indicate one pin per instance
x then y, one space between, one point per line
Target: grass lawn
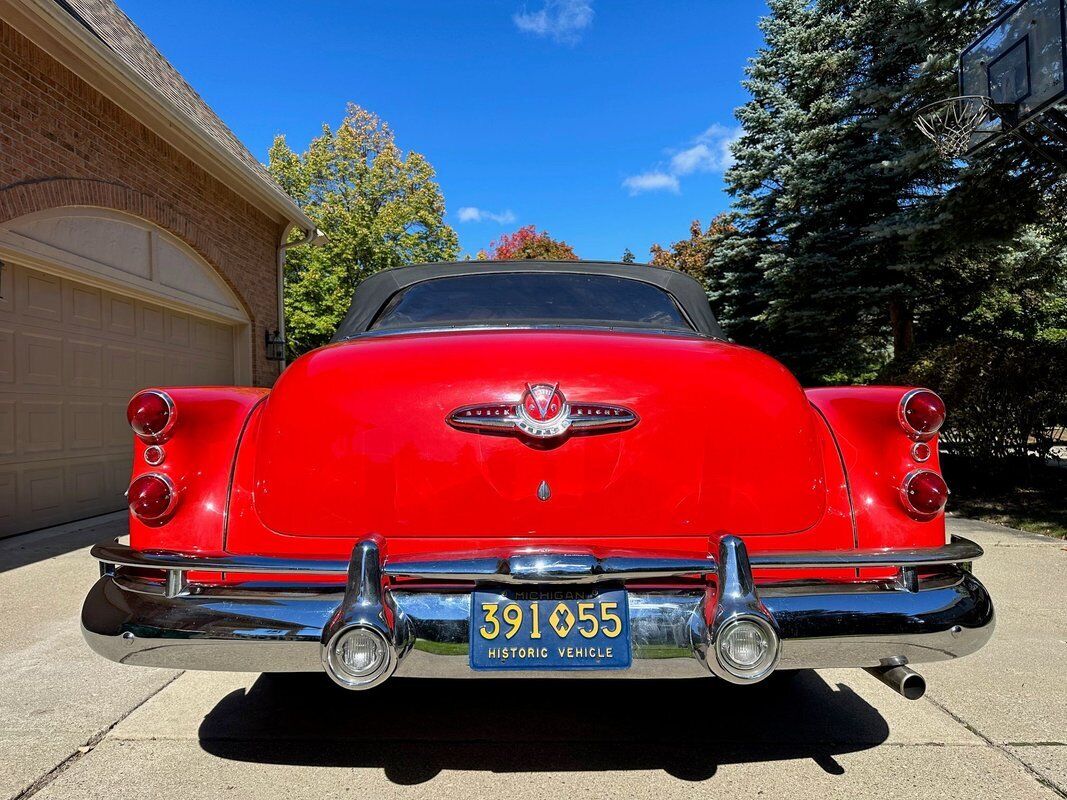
1029 497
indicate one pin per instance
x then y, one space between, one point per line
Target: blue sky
604 122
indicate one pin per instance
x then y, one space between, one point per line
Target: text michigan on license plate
550 629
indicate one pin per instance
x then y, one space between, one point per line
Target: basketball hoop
952 123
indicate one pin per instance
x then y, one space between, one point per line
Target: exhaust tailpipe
904 681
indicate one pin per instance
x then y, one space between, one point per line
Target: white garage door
71 356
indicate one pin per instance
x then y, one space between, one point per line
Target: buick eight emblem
543 412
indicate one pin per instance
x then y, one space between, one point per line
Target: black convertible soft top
375 292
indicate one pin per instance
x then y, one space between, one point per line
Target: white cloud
561 20
472 214
651 182
708 152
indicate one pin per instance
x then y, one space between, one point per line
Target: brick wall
63 143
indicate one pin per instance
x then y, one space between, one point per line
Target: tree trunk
902 319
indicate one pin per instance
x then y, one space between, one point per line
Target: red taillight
921 413
151 497
151 415
924 493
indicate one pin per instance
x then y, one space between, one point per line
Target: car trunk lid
355 440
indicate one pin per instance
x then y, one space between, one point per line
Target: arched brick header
27 197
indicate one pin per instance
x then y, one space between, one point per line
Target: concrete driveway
75 726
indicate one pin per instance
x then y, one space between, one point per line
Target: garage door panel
150 322
88 484
7 355
117 471
9 507
7 288
203 336
40 359
42 489
71 356
120 315
7 428
116 428
83 305
177 326
120 367
216 374
180 371
84 366
39 296
40 427
224 341
85 426
153 368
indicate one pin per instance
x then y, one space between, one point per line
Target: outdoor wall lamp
275 345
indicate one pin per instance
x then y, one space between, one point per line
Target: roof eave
62 37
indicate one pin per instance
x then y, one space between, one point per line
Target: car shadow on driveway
414 729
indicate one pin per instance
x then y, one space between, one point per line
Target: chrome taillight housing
152 497
924 494
152 415
921 414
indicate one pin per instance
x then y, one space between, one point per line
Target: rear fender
877 455
198 459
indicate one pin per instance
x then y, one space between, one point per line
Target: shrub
1005 399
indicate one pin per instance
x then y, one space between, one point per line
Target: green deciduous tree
378 206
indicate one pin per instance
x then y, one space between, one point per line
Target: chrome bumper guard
934 610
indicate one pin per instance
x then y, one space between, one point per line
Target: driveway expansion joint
1002 749
43 780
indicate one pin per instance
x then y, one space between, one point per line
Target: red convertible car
532 469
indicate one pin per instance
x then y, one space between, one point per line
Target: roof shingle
111 26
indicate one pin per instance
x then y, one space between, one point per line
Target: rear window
532 298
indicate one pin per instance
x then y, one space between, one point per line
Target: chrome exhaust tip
904 681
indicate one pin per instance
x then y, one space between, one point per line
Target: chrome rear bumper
934 611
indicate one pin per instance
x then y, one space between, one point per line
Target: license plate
550 629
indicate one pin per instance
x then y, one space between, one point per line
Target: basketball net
951 124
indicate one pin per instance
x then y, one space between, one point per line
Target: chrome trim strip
125 556
584 568
956 551
576 568
534 567
378 333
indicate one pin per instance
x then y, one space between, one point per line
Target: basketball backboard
1019 63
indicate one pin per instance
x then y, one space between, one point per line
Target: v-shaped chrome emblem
542 395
